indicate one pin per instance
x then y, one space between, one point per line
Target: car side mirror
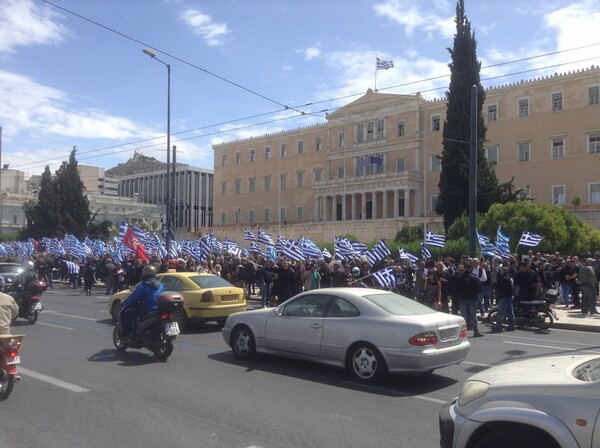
279 311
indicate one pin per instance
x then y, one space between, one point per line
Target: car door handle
316 326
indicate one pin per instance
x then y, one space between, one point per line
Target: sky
73 72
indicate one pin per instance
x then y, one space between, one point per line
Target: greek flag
408 256
359 248
205 248
309 249
248 235
255 249
378 253
325 253
488 249
264 237
431 239
343 248
502 243
270 252
424 251
385 277
291 250
362 161
384 65
530 239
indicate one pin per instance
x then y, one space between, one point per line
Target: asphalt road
78 391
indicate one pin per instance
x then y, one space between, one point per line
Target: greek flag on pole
502 243
309 249
424 251
255 249
408 256
291 250
248 235
264 237
270 252
359 248
325 253
384 65
362 161
385 277
530 239
432 239
488 249
343 248
378 253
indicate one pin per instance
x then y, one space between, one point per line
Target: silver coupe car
368 331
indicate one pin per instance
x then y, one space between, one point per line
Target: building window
492 154
223 159
435 123
238 216
238 186
238 158
283 181
318 174
252 185
300 146
299 212
400 165
267 152
283 150
340 171
493 112
370 131
223 217
435 162
380 129
594 95
401 128
341 139
360 133
267 183
300 180
523 107
434 202
558 194
267 214
557 101
595 193
558 147
223 188
318 143
252 155
282 214
251 216
594 143
524 152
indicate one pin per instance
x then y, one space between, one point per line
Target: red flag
132 241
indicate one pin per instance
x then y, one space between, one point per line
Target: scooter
30 302
10 345
535 313
156 331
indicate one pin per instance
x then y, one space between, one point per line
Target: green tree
453 198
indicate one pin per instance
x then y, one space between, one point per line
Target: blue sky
73 73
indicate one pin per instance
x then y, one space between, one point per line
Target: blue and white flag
343 248
309 249
255 249
378 253
384 65
405 255
488 249
530 239
270 252
362 161
385 277
502 243
264 237
432 239
291 250
325 253
248 235
425 253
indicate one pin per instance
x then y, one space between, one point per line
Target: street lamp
152 54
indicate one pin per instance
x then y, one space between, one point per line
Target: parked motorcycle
156 331
535 313
10 345
30 301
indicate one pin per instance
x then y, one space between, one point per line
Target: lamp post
152 54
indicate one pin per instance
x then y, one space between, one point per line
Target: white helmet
355 271
28 265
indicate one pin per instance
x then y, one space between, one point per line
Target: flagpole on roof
376 72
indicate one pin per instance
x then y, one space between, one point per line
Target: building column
396 197
374 205
406 203
343 207
316 209
325 208
364 206
384 205
353 217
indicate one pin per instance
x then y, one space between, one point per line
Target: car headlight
472 390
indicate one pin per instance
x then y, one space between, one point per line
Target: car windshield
210 281
9 268
589 371
397 304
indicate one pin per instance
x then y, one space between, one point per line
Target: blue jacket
145 296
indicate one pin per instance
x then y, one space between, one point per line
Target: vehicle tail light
166 316
425 338
463 332
207 297
13 353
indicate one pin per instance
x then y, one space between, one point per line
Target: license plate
37 306
171 329
15 360
229 298
449 333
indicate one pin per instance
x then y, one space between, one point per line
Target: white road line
554 347
476 364
385 390
70 315
51 380
56 326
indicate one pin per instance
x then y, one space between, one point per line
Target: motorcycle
30 301
10 345
156 331
535 313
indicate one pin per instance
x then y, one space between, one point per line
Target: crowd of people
467 286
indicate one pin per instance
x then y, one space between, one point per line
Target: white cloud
204 25
430 17
312 53
25 23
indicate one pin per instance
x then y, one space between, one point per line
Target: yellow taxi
207 297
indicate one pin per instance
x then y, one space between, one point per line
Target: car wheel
543 320
242 342
366 363
182 319
114 311
515 438
493 318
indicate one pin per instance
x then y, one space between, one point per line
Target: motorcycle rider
22 281
142 301
9 310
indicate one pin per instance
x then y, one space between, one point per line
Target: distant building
373 166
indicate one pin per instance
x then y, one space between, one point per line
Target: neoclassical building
373 167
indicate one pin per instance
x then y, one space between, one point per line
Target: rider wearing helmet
22 281
142 301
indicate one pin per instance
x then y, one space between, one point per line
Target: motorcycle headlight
472 390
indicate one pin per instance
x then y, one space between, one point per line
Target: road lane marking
476 364
56 326
554 347
70 315
51 380
387 391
